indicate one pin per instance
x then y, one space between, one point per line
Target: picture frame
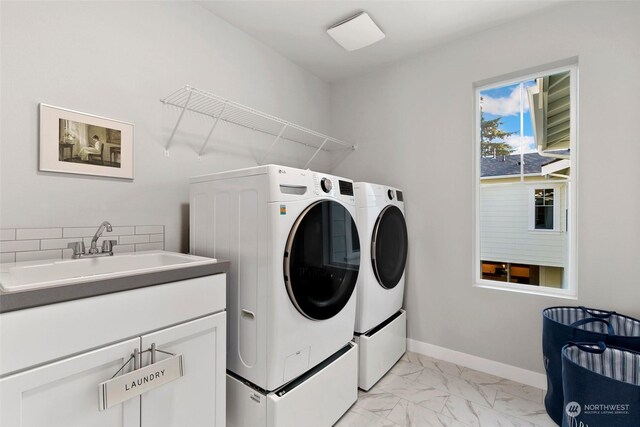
85 144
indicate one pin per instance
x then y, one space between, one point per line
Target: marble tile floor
420 391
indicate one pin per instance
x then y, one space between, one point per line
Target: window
543 212
525 183
545 201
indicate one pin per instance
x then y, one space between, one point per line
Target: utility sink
22 276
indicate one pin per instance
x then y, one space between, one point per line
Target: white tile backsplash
90 231
38 233
8 257
121 231
149 229
8 234
19 245
40 243
156 238
149 246
138 238
120 249
56 243
87 240
38 255
79 231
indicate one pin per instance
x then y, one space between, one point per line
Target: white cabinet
65 393
61 390
198 398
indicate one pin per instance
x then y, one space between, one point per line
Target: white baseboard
492 367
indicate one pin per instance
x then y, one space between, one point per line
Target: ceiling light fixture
356 32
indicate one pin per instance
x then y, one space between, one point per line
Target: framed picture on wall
74 142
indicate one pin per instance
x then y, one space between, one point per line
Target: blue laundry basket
601 386
560 325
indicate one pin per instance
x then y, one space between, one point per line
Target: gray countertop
11 301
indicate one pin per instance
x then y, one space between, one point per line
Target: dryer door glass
389 244
322 259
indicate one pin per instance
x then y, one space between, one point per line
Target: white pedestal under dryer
292 240
380 322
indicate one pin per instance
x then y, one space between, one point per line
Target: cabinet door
197 398
65 393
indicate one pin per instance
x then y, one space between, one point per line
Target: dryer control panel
369 194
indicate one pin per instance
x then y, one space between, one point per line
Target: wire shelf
208 104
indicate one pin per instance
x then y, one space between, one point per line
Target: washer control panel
326 185
323 185
333 186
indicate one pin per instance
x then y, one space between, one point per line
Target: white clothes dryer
292 240
384 246
380 327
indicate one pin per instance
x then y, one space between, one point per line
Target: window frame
556 208
570 288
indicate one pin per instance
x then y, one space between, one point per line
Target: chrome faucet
94 242
107 245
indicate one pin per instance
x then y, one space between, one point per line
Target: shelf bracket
175 128
274 143
215 123
315 154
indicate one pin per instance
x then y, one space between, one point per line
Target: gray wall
117 59
413 121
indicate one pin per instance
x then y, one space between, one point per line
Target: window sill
528 289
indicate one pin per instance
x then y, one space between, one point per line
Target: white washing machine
380 322
293 244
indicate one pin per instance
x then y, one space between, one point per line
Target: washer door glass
389 245
322 260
